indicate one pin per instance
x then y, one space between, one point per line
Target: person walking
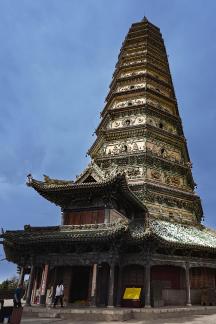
59 294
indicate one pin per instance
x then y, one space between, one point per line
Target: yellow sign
132 293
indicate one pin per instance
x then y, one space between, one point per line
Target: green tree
10 283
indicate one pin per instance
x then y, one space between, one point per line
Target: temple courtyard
191 319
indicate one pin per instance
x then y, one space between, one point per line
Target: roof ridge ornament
29 180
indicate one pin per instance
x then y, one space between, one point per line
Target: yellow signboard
132 293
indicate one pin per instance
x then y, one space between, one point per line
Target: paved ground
196 319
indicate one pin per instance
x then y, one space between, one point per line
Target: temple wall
174 297
84 217
196 296
202 278
170 213
171 277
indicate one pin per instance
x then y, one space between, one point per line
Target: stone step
81 314
116 314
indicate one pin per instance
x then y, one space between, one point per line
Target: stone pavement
190 319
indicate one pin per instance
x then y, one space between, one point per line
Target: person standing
59 294
18 296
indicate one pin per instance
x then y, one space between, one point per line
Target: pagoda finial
145 19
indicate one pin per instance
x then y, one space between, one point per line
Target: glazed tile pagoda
131 219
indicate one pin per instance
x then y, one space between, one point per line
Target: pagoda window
125 148
132 87
127 122
161 125
162 151
129 103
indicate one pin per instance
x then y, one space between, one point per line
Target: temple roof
65 233
63 192
176 234
166 233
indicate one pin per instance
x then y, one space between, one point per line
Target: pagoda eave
62 194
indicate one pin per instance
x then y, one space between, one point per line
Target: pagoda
131 219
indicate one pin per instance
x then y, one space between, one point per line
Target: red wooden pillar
43 288
30 286
33 297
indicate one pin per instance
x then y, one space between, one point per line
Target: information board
132 293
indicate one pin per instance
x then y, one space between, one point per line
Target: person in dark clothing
18 296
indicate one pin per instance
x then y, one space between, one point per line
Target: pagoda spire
141 132
144 19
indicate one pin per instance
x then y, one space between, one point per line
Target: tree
10 283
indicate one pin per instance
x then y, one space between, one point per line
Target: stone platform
116 314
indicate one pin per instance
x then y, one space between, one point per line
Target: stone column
119 291
94 285
107 215
187 278
111 285
30 286
21 276
148 285
43 288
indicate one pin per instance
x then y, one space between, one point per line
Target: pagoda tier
141 133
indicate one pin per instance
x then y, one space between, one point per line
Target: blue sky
56 62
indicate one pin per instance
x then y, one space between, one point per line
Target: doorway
80 284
